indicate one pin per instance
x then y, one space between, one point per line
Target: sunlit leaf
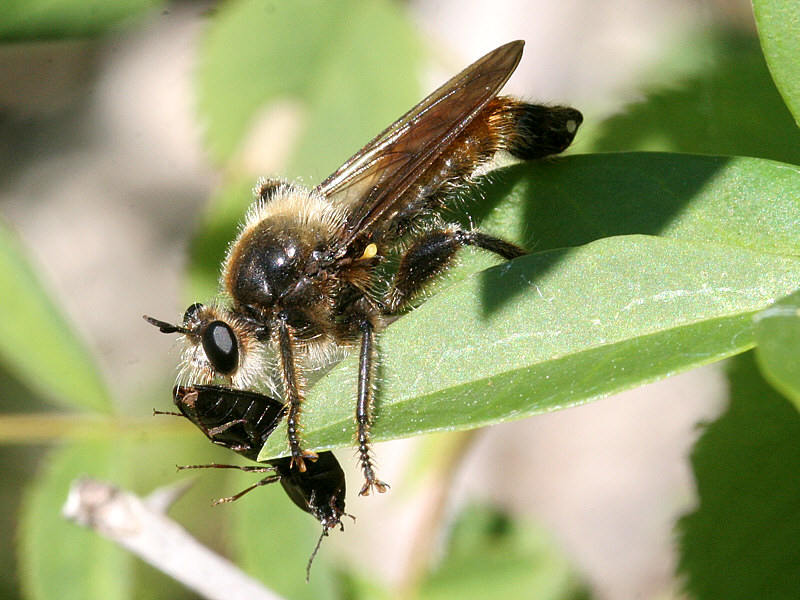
553 330
732 201
779 32
778 350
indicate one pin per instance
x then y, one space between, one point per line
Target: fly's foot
369 472
373 482
299 456
377 484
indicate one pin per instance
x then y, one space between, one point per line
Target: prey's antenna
314 553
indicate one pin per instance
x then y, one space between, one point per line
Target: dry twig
142 527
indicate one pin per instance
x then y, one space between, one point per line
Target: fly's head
220 347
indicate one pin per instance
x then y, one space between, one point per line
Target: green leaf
778 350
779 31
552 330
745 209
311 53
489 555
59 560
50 19
741 541
36 341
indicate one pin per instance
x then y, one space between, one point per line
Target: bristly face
221 348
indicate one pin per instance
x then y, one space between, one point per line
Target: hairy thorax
279 270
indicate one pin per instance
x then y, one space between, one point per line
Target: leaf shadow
746 467
582 198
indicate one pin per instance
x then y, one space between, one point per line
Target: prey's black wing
370 185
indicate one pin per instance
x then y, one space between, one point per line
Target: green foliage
778 23
52 19
95 568
729 201
311 52
489 555
645 264
702 112
37 343
741 541
778 350
60 560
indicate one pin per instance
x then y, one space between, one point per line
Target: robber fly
242 421
307 273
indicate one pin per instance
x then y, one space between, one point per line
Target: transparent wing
370 185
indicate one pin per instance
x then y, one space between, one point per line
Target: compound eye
190 316
221 347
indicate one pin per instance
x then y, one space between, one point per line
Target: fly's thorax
273 259
223 348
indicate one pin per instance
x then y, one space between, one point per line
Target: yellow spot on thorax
370 251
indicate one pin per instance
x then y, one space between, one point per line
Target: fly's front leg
293 392
366 369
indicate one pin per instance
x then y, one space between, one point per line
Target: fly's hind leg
427 257
430 255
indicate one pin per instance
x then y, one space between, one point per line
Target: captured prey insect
242 421
310 271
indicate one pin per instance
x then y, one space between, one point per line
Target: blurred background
112 150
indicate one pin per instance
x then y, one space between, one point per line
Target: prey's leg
272 478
